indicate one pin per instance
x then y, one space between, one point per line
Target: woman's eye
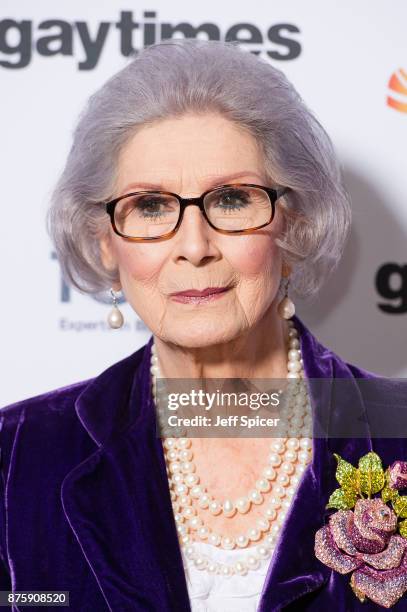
150 206
233 200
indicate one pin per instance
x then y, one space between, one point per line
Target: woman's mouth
192 296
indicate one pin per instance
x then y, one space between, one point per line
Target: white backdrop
347 59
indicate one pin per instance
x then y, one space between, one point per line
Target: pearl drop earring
115 317
286 308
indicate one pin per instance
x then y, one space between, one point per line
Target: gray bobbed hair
180 76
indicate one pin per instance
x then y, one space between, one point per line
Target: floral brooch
367 537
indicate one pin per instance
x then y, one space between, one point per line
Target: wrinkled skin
238 335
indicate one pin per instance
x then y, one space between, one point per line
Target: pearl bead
240 568
190 552
278 447
242 505
294 343
281 517
283 479
214 538
256 497
196 492
184 442
178 478
181 489
170 443
115 318
204 501
294 355
290 455
303 456
227 543
172 455
263 485
306 443
174 466
293 366
287 467
184 500
215 508
203 532
253 534
271 513
185 454
229 508
191 480
279 491
269 472
212 567
262 524
270 540
225 570
189 512
274 459
200 562
187 467
275 502
275 529
242 541
252 562
195 523
263 552
293 444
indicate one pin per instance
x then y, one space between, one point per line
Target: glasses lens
238 208
146 215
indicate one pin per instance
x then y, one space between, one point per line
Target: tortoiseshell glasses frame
273 195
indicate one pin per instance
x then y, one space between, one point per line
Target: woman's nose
193 240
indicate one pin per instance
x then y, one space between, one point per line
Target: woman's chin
200 336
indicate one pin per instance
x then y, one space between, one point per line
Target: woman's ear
107 254
108 258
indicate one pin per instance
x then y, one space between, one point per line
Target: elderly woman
201 186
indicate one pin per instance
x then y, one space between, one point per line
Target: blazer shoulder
56 399
379 388
46 422
58 402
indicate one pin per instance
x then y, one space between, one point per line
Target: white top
216 593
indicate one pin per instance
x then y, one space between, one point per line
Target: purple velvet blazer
85 505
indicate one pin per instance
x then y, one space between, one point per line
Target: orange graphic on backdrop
398 85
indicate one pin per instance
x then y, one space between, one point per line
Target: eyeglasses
229 209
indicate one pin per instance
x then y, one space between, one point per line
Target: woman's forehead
207 155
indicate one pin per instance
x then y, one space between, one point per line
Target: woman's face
187 156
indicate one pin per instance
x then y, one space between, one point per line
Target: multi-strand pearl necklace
286 464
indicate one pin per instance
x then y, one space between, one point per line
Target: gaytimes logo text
21 39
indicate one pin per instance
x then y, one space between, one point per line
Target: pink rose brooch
366 537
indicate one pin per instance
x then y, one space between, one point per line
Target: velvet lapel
118 505
117 501
294 570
